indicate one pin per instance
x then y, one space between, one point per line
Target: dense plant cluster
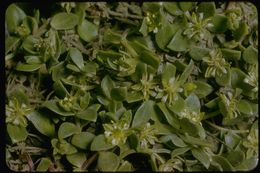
123 86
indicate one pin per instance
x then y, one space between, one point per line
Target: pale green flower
216 64
171 165
68 6
192 115
146 85
234 18
61 146
67 103
251 142
16 112
22 30
153 22
197 26
252 78
171 90
116 133
147 135
230 104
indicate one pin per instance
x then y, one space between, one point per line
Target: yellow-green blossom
216 64
116 133
234 18
251 141
252 78
146 85
147 135
22 30
153 22
171 90
192 115
68 6
67 103
230 105
171 165
197 26
62 147
16 113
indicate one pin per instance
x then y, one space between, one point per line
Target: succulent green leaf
11 44
245 107
220 23
60 89
143 113
67 129
195 141
42 123
202 156
108 161
64 21
193 103
241 31
33 59
223 162
99 143
125 167
179 43
187 71
171 118
107 85
28 67
224 79
168 73
230 54
53 106
76 159
173 8
192 128
14 16
177 106
90 113
164 35
233 156
179 151
87 31
186 6
77 58
250 55
82 140
44 164
247 164
207 8
119 94
197 53
16 133
149 58
202 89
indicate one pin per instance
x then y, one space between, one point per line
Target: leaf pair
65 21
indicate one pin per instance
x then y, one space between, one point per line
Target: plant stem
180 158
113 13
88 162
80 47
159 158
42 29
212 114
223 143
35 101
227 130
49 95
30 162
37 137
